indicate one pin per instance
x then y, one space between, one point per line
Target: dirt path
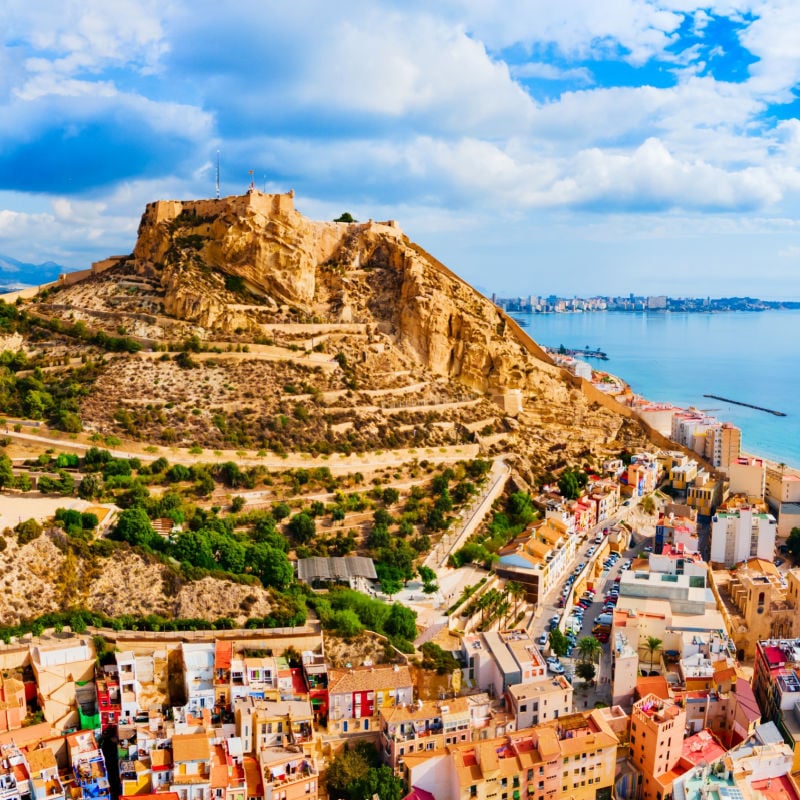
337 462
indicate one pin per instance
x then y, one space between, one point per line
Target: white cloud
549 72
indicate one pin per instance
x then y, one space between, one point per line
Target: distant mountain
19 274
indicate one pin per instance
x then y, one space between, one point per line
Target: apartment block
88 766
191 757
705 493
13 709
776 685
677 530
497 660
539 559
539 701
60 669
357 695
423 727
741 534
271 723
759 767
574 756
286 775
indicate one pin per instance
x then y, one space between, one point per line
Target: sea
671 357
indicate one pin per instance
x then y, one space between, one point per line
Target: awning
516 794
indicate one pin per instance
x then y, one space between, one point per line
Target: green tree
793 545
271 565
520 508
346 216
378 782
6 472
133 526
391 586
390 496
402 622
91 486
568 485
589 648
558 642
347 623
302 528
518 592
585 670
27 531
345 770
230 554
652 645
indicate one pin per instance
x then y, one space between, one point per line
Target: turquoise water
751 357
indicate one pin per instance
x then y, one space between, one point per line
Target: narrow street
586 697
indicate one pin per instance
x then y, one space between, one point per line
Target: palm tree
516 590
589 648
653 644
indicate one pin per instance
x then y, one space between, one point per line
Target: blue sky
578 147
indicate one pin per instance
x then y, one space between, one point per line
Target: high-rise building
742 534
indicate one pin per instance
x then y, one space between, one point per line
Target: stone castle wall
264 204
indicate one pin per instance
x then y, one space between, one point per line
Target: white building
198 667
739 535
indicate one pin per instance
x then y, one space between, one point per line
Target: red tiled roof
656 685
747 700
223 652
780 788
701 747
419 794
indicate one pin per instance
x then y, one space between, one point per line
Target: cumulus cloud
393 106
550 72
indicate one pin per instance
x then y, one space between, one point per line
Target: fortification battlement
264 204
267 205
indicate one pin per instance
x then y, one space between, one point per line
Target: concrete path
473 517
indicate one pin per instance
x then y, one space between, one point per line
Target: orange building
656 740
12 704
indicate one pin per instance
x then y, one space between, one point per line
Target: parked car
554 619
542 640
648 549
591 551
556 669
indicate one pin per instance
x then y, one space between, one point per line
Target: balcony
291 775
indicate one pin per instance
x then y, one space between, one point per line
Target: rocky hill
263 329
240 330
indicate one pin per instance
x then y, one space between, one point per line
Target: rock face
329 271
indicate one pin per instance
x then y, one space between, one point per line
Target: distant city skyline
578 146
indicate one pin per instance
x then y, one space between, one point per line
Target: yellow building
705 494
571 757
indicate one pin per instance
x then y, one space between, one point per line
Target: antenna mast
217 174
252 186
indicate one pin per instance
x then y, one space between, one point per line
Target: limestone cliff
331 271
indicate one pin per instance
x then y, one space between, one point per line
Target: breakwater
746 405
